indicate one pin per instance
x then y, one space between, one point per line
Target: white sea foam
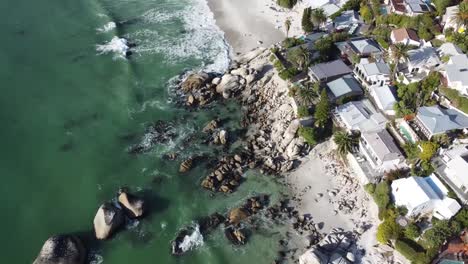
107 27
192 241
202 38
116 45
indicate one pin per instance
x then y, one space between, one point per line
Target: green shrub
308 133
278 65
288 73
370 188
292 42
457 100
303 111
410 252
388 230
287 3
462 217
382 197
412 231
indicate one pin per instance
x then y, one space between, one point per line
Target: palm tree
345 142
307 95
287 25
303 57
461 17
318 17
398 52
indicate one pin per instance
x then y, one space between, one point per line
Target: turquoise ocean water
72 105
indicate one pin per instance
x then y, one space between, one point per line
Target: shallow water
71 107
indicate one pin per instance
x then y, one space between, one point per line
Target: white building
372 73
360 116
384 98
449 49
405 36
381 151
449 19
424 196
456 167
456 73
420 63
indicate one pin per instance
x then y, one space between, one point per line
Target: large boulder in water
108 218
195 81
62 249
134 205
236 215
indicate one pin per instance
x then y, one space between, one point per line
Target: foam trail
107 27
117 45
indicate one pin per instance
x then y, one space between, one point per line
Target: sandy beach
328 191
254 23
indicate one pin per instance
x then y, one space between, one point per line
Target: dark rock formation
62 249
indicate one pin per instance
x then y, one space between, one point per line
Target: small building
359 116
329 71
344 87
449 49
381 151
456 73
449 20
422 61
409 7
405 36
384 98
434 120
424 196
348 20
372 73
330 9
454 169
361 47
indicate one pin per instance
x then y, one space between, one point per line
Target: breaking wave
118 46
193 240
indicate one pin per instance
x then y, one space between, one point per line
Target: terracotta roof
405 33
399 5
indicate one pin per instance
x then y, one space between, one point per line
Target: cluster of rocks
268 114
110 217
233 222
227 174
156 133
336 247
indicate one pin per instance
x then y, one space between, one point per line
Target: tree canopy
322 111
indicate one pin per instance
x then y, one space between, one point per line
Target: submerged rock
133 204
62 249
186 165
236 215
235 235
108 219
195 81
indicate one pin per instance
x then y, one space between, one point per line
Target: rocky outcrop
211 126
235 235
62 249
220 137
227 175
195 81
134 205
237 215
107 220
271 138
186 165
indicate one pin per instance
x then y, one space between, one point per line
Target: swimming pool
448 261
383 10
407 135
